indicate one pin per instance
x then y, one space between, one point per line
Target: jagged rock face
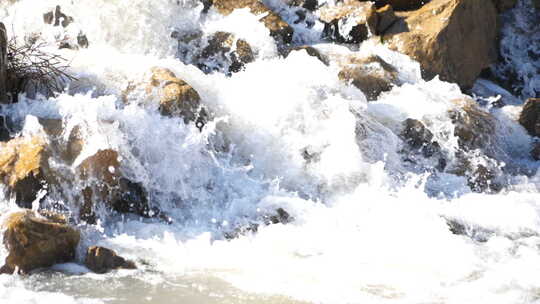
372 75
23 163
34 241
530 116
349 21
101 260
454 39
3 63
279 29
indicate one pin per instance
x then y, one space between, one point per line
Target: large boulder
35 241
530 116
3 63
372 75
278 28
454 39
349 21
101 260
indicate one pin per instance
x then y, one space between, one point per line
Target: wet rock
3 64
349 21
279 29
483 179
102 181
454 39
82 41
310 5
224 47
386 19
403 5
23 162
33 241
372 75
177 98
473 127
535 153
418 137
6 127
280 217
101 260
69 149
311 51
530 116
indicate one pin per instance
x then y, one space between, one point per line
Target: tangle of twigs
32 70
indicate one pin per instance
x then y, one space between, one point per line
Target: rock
103 182
372 75
349 21
310 5
387 18
101 260
279 29
3 64
33 241
311 51
177 98
473 127
225 47
69 149
280 217
454 39
402 5
22 165
530 116
82 40
418 137
535 153
504 5
5 128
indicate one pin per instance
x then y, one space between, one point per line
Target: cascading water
372 220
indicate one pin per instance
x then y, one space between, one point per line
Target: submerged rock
474 127
535 153
418 137
280 217
101 260
349 21
311 51
278 28
35 241
454 39
530 116
225 47
372 75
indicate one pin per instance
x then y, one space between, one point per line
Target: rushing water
370 217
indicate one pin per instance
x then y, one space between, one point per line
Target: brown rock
372 75
279 29
473 127
22 164
3 64
101 260
67 150
362 15
451 38
530 116
34 241
177 98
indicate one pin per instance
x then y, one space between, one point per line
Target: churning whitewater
370 219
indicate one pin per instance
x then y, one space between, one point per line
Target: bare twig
31 68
